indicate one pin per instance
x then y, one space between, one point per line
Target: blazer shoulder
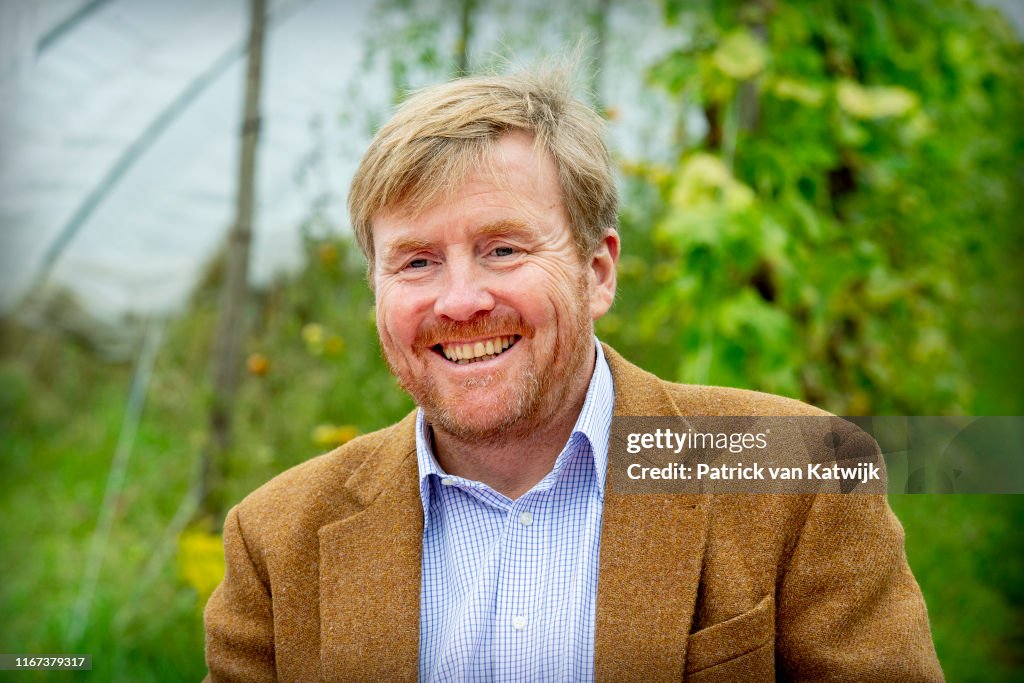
698 399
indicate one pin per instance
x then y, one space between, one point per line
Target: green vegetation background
843 228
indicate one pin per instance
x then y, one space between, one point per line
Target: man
476 539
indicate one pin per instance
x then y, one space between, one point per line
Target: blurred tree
841 224
466 8
231 332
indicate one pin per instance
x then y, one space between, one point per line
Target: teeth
467 353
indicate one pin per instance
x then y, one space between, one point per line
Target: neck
513 462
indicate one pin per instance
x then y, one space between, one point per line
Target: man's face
484 306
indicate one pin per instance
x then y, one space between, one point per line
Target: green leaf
704 179
875 102
740 55
798 91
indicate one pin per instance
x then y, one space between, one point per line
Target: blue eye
503 251
418 263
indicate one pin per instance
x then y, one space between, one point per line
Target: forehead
515 185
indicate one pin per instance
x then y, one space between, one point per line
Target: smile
473 352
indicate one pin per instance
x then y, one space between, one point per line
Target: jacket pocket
738 649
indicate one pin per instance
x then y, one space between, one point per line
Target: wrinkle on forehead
491 161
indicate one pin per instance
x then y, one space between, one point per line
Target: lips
465 353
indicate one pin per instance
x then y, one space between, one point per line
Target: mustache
484 326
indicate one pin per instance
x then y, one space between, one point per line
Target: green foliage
966 554
845 229
61 411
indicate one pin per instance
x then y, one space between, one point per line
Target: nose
464 292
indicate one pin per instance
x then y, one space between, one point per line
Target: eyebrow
403 245
509 227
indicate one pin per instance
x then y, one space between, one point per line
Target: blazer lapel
370 570
652 549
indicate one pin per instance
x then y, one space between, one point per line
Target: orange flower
257 364
328 254
334 345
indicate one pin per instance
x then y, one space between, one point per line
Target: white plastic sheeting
124 130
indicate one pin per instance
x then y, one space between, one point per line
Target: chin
484 411
466 428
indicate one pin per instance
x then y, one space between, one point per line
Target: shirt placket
517 628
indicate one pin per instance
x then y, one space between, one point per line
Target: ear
602 271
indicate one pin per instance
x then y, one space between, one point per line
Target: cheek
566 294
401 315
553 285
390 332
394 315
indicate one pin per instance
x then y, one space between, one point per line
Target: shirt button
448 481
526 518
519 622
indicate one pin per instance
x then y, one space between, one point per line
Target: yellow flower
328 435
345 433
323 435
313 334
201 561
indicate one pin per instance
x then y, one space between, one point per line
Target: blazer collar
370 569
652 549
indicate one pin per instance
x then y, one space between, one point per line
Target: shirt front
509 588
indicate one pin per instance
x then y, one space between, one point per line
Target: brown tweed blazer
323 572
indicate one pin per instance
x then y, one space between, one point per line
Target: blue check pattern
509 587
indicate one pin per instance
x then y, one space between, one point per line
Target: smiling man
476 539
485 310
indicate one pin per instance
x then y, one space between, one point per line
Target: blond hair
445 132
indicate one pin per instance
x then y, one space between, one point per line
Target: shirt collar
593 424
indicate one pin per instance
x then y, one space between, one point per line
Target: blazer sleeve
849 608
239 616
